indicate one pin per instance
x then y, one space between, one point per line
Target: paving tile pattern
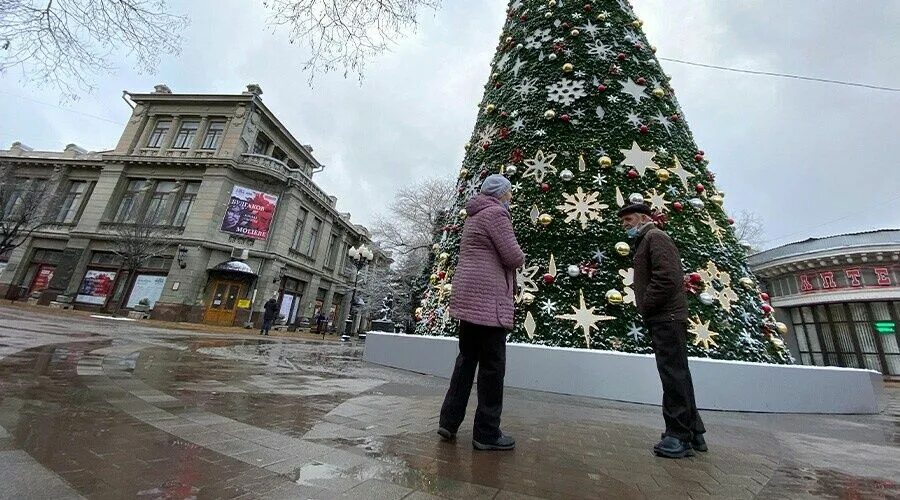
100 409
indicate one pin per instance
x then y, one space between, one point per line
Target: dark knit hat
636 208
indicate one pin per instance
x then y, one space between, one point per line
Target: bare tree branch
748 229
138 242
65 43
25 206
344 34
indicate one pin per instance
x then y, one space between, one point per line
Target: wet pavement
93 408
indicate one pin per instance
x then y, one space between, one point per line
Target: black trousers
679 407
484 348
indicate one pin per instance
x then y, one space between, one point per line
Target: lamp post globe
360 257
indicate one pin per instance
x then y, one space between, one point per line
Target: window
213 134
72 202
332 251
261 146
157 208
313 237
159 133
185 203
298 229
186 134
128 207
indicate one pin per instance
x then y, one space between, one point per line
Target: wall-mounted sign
96 287
243 303
848 278
249 213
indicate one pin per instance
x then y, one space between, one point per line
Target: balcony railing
282 168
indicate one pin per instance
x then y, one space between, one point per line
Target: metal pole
349 326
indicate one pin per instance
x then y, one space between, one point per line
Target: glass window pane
872 362
807 314
801 338
213 134
848 352
893 364
858 311
186 134
837 312
805 359
817 359
812 335
159 133
795 315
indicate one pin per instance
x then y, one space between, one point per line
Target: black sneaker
503 443
699 443
672 447
446 435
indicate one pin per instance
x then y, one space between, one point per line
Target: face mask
632 232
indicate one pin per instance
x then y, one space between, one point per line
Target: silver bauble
511 170
696 203
706 298
636 198
573 270
566 175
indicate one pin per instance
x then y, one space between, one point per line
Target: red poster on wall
42 278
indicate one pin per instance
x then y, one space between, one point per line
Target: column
345 310
170 137
147 126
308 302
326 303
103 196
201 133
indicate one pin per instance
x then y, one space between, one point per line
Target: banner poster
96 287
249 213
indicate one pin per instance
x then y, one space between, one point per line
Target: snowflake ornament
548 307
535 40
518 125
635 332
526 87
702 333
585 318
486 136
657 201
600 50
582 207
526 279
566 91
589 29
540 166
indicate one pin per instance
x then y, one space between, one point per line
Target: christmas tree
578 114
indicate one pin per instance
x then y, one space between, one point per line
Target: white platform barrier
719 385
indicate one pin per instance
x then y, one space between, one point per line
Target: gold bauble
448 287
463 214
527 298
575 33
435 248
434 278
568 67
653 48
717 199
663 174
781 327
552 3
509 39
601 16
637 23
545 219
490 108
778 342
623 248
463 173
605 161
549 114
746 282
614 297
444 256
467 145
658 92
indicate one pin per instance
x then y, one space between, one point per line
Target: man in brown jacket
660 298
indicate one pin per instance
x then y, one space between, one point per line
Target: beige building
235 194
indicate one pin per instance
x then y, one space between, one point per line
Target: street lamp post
360 257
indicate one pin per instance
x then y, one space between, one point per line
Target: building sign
243 303
848 278
249 213
146 286
42 278
96 287
885 327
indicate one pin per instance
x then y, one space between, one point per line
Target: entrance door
222 303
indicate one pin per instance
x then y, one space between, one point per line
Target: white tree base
719 385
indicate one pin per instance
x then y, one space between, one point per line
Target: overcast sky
810 159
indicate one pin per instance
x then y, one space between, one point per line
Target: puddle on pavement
316 474
831 484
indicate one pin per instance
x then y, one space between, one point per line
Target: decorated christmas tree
581 118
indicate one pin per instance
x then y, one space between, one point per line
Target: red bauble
504 114
442 275
633 174
698 157
730 221
641 81
549 279
523 18
695 278
764 296
767 308
545 187
565 118
566 25
639 45
644 129
498 85
701 153
485 145
587 7
678 206
484 174
557 47
700 188
601 87
675 118
622 56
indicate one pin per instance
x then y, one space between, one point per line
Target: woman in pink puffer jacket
482 301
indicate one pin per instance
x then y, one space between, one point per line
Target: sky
810 159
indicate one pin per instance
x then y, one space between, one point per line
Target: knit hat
495 185
636 208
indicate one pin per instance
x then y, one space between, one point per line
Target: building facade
222 180
839 296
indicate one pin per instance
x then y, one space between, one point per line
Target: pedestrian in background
660 298
270 312
482 301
